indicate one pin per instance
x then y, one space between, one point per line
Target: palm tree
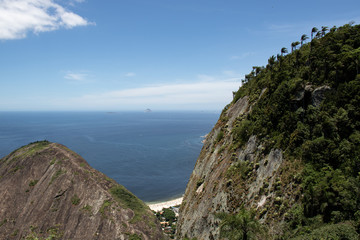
271 62
241 226
303 38
323 30
256 70
293 45
283 51
313 30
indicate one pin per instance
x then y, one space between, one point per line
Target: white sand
159 206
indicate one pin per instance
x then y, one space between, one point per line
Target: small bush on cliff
129 200
240 226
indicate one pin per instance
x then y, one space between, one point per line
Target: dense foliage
241 226
324 135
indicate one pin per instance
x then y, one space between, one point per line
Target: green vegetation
333 231
220 136
53 233
309 108
169 215
134 236
56 175
35 147
33 183
3 222
53 161
240 226
75 200
15 233
104 207
129 200
87 208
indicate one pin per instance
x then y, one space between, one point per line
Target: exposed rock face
48 190
225 178
308 95
318 95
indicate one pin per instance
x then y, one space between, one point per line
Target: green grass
87 208
56 175
3 222
135 237
33 183
75 200
129 200
104 207
53 161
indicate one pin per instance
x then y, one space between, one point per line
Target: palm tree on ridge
313 30
293 45
323 30
303 38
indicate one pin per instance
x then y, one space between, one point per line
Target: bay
150 153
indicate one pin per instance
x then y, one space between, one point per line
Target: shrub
75 200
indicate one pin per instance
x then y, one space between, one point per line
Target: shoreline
166 204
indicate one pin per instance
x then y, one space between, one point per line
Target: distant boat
147 110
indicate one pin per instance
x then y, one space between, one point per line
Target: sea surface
150 153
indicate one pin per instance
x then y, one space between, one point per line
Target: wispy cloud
76 76
18 17
73 2
212 93
130 74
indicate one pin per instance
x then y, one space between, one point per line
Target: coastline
160 205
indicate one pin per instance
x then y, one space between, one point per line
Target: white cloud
213 94
130 74
73 2
18 17
76 76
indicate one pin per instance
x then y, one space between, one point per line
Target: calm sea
151 154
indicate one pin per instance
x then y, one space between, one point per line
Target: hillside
283 161
49 192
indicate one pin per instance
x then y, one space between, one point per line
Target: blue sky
116 55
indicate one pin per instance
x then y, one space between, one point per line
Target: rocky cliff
286 148
49 191
213 186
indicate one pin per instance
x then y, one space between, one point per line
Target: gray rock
318 95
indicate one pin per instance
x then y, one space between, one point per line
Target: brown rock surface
48 190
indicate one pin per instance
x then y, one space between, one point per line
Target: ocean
151 153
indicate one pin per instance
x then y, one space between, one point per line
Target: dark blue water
152 154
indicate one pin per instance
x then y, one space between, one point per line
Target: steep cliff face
49 191
287 148
213 186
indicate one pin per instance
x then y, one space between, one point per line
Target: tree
169 215
257 70
271 61
323 30
241 226
303 38
313 30
283 51
293 45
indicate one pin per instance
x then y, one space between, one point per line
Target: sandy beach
159 206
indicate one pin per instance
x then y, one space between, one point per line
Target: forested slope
285 152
